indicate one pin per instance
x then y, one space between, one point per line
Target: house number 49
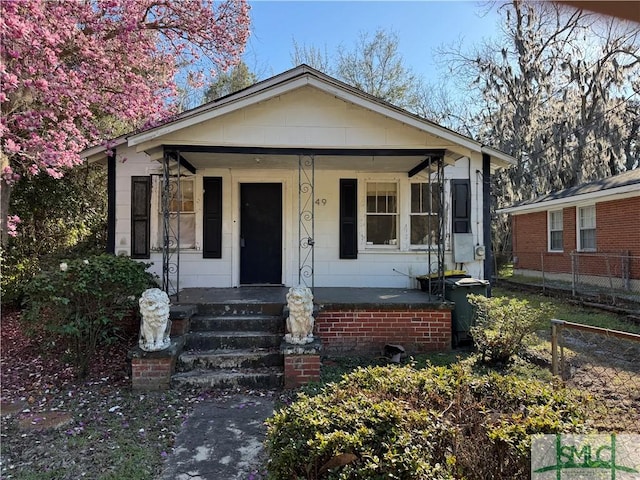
321 201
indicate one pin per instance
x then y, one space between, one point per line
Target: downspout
111 203
486 219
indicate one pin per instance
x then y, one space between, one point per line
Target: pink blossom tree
66 66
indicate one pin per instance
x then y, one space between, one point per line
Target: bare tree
312 56
559 91
375 65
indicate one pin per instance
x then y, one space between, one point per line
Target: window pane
424 229
371 203
422 194
588 239
187 229
416 198
381 198
186 187
182 200
556 240
588 217
555 220
381 229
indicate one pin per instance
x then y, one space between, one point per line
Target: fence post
610 275
573 273
624 259
555 331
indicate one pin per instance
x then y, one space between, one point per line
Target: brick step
243 308
264 323
251 378
229 359
232 340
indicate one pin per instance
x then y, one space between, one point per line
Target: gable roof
292 79
627 183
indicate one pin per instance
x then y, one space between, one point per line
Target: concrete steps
233 346
258 379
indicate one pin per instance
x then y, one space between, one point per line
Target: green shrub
80 300
502 325
401 423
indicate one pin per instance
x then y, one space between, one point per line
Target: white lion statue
300 320
155 328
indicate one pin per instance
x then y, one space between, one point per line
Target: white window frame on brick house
586 228
555 228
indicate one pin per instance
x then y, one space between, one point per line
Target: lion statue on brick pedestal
155 328
300 320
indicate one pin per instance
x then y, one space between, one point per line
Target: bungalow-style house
300 179
592 230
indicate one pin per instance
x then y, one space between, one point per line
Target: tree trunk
5 195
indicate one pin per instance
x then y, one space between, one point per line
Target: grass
102 443
563 310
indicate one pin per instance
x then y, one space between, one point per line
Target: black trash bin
456 291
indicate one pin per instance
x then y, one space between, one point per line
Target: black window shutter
212 221
461 199
140 216
348 218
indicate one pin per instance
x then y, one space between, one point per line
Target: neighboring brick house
596 224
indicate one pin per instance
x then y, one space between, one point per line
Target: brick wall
618 226
368 330
530 244
617 231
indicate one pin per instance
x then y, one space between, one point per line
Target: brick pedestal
153 370
301 363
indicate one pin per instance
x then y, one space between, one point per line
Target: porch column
486 219
170 232
306 224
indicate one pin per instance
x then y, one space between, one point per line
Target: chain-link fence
610 277
605 363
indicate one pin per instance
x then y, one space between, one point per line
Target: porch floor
323 296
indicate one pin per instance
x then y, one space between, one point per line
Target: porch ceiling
378 163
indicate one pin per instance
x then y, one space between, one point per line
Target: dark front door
260 233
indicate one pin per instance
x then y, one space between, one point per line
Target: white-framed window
382 213
182 201
587 228
425 210
555 231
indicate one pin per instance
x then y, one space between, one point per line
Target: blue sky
421 27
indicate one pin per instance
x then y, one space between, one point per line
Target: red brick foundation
368 330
